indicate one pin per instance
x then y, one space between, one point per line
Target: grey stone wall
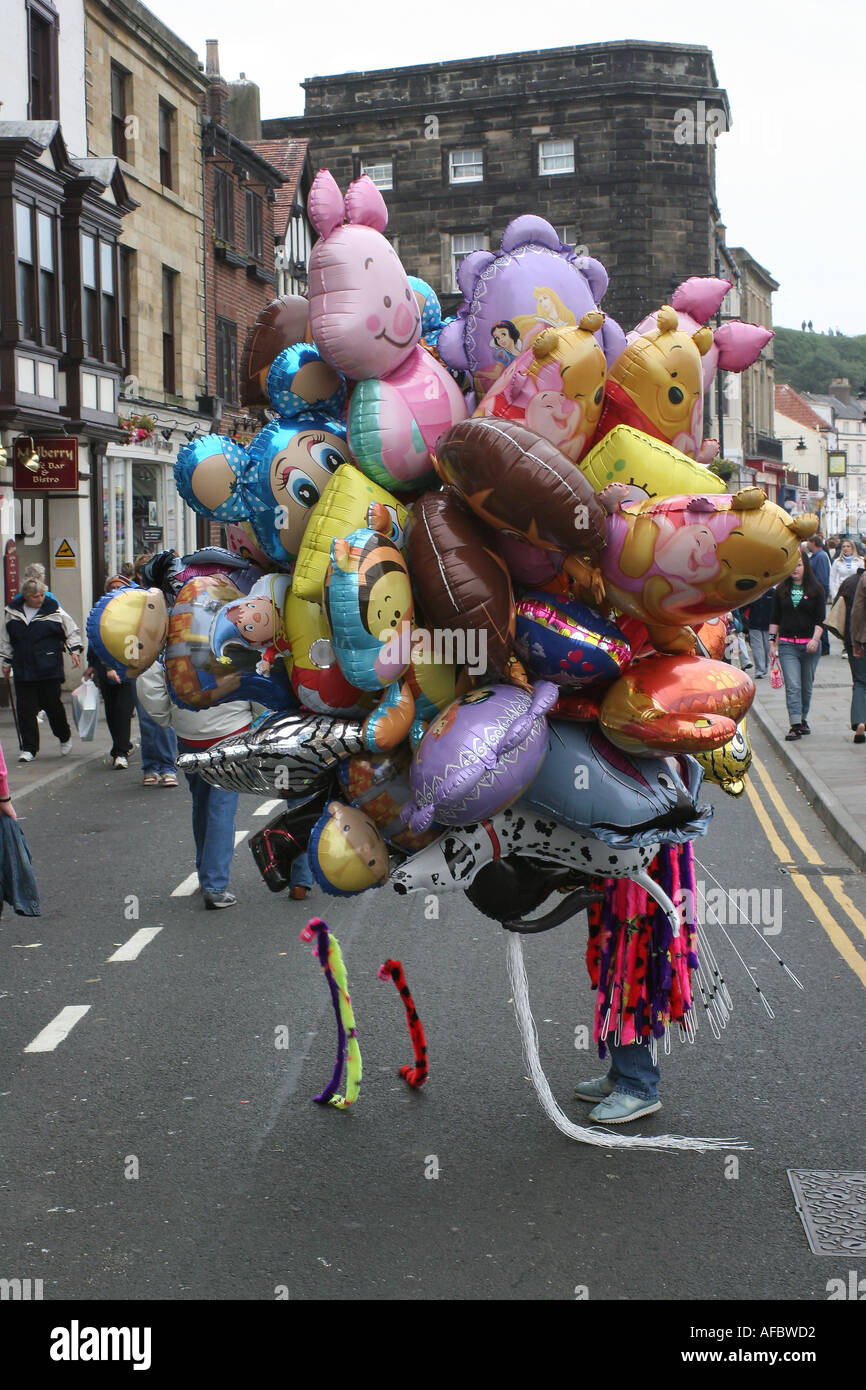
642 195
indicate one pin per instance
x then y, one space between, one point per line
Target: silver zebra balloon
289 754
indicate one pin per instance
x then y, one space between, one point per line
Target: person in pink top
5 799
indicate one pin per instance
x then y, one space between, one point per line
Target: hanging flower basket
137 428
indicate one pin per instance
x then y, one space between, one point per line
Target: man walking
820 562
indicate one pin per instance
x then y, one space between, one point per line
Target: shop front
141 510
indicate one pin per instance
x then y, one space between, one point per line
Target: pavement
827 767
48 768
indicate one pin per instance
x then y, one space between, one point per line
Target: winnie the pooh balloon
366 322
677 561
555 387
657 384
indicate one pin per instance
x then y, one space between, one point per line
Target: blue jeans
213 826
798 667
858 694
633 1071
301 875
158 745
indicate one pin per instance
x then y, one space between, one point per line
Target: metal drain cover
832 1208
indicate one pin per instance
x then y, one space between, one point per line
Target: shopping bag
85 708
777 680
836 619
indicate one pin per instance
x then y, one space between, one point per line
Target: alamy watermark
24 517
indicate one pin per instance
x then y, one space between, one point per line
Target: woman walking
117 694
796 625
37 631
158 745
847 564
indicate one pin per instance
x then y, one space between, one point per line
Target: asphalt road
247 1190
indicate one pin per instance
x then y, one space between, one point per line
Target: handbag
85 709
777 680
836 618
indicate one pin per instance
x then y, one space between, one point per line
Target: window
254 224
556 157
223 206
567 234
26 272
42 24
119 95
382 174
48 299
461 245
127 256
91 302
108 296
166 144
466 166
226 360
169 380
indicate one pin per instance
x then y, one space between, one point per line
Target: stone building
612 143
62 211
144 88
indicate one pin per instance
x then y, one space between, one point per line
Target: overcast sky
790 171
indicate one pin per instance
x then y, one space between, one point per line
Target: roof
845 410
747 261
289 157
216 136
794 407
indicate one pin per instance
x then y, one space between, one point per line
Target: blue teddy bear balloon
276 482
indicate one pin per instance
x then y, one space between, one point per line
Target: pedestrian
158 745
213 810
37 631
300 877
846 565
757 617
820 562
118 694
796 624
853 592
6 807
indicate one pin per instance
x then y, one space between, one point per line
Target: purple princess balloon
479 755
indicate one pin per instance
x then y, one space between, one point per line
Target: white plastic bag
85 708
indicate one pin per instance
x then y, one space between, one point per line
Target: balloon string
330 958
417 1075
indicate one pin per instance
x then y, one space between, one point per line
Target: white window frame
555 157
564 231
479 243
382 173
458 166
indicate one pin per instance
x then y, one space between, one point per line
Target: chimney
217 95
244 109
841 389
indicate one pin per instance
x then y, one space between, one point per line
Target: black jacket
798 620
35 649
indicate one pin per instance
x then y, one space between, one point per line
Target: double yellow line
843 943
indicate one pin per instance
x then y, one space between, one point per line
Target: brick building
240 193
612 143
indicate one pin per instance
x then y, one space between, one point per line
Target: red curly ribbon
417 1075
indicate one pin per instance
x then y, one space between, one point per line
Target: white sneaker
25 757
66 748
120 763
40 718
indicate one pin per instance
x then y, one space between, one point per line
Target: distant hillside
810 361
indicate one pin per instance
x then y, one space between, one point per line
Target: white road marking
133 948
187 888
267 808
190 885
59 1028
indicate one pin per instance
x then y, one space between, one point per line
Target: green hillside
810 361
